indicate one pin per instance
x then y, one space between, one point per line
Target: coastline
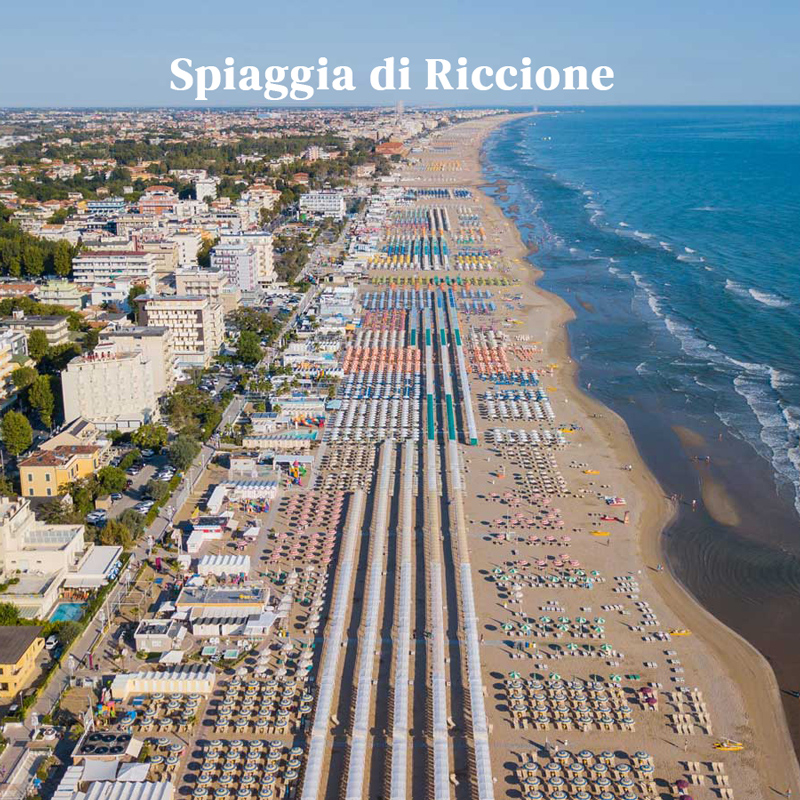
770 750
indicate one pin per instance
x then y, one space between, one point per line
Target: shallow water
673 235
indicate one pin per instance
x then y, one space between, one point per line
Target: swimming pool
67 612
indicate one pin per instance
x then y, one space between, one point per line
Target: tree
42 399
150 436
37 345
62 259
9 614
133 521
17 433
33 260
91 339
183 451
158 490
23 377
135 292
115 533
58 356
248 349
112 479
130 458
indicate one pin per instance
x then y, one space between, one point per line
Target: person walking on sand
694 505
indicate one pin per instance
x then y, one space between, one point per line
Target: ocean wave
769 299
775 433
641 369
690 258
736 288
705 208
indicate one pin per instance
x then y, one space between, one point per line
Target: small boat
728 745
793 693
600 533
680 632
590 471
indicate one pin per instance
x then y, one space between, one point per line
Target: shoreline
744 666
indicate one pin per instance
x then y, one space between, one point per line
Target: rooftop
15 641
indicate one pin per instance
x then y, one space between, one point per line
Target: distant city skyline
681 53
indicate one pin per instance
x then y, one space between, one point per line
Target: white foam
736 288
769 299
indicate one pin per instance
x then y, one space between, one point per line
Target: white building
115 292
239 264
114 390
205 188
155 343
323 203
261 242
189 242
196 323
209 283
106 266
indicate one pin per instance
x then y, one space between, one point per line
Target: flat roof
15 641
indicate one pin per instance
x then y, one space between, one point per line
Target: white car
51 642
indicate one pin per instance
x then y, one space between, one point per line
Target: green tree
115 533
37 345
158 490
62 259
130 458
150 436
23 377
33 260
112 479
248 349
183 451
133 521
42 399
91 339
9 614
135 291
17 433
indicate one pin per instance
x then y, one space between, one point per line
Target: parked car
51 642
148 453
116 496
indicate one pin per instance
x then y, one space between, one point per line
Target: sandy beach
740 683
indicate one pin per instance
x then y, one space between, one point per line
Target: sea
674 235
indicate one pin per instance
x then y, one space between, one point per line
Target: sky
92 53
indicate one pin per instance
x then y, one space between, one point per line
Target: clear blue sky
92 53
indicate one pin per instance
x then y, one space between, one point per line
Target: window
49 492
30 491
47 477
3 687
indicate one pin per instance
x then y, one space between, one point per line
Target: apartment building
61 293
165 253
158 200
13 344
47 472
324 203
196 324
114 390
261 243
155 343
239 264
20 645
105 266
209 283
188 242
55 328
205 188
